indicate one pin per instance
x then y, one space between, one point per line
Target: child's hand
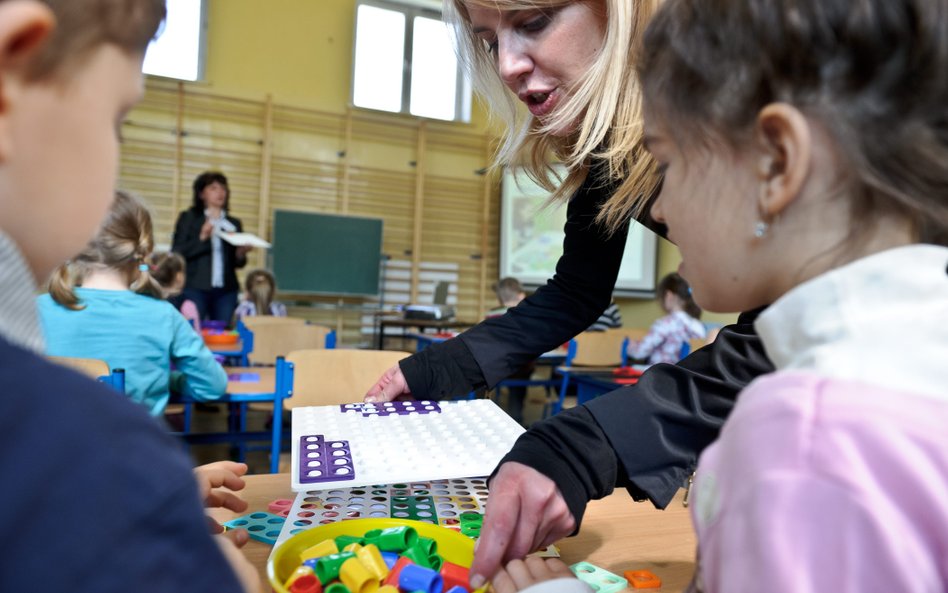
211 478
245 571
520 574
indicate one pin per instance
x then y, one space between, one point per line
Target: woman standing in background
211 279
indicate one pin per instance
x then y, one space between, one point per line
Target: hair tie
142 267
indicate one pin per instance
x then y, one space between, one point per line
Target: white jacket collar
882 319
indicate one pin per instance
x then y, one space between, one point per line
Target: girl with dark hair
211 279
664 340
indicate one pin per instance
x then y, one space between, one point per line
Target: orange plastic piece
642 579
219 339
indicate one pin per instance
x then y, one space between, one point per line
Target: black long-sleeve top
645 437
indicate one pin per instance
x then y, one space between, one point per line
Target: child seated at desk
258 300
105 304
168 269
664 340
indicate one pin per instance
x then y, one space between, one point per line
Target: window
404 62
179 50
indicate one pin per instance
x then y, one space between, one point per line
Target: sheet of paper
244 239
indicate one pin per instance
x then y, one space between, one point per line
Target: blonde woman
562 76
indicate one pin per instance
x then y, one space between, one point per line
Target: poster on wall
531 239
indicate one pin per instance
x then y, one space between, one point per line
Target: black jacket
187 242
645 437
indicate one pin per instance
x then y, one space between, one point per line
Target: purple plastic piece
211 324
324 461
392 408
243 377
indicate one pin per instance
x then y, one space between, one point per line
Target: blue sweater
137 333
97 498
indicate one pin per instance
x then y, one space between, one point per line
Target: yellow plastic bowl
452 546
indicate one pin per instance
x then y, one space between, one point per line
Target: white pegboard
467 438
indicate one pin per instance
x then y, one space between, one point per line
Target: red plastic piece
306 584
392 578
627 372
280 504
455 575
642 579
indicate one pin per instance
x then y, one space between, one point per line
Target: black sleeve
570 302
187 237
646 437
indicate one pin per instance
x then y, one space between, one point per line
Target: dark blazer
198 253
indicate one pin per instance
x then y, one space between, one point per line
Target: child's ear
784 139
24 27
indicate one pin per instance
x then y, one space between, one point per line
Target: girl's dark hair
679 287
261 285
873 73
123 243
203 180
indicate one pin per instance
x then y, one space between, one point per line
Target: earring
760 229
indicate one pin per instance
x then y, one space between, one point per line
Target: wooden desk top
617 534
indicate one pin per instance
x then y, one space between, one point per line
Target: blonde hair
260 288
607 101
123 243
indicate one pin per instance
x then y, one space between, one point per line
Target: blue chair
96 368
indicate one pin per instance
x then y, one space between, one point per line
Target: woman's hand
207 229
525 513
520 574
390 385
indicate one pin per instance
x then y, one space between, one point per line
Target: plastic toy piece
324 461
300 574
357 577
642 579
395 573
419 578
393 539
344 540
390 559
371 558
457 589
387 589
336 588
354 547
454 576
279 506
323 548
327 567
599 579
391 408
263 527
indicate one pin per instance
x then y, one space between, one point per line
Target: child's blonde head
870 73
261 287
123 244
606 102
167 268
84 25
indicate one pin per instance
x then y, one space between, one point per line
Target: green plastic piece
429 545
393 539
327 567
599 580
336 588
344 540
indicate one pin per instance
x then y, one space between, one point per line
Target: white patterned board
440 502
450 440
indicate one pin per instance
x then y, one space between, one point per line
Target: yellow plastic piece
371 558
323 548
452 546
297 574
357 577
388 589
353 547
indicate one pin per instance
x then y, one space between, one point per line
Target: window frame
411 10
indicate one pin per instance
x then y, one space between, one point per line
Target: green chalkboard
329 254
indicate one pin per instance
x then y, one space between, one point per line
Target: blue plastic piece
390 559
457 589
418 578
263 527
599 580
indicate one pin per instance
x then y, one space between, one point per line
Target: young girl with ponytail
105 304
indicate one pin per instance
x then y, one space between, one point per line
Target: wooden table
421 324
617 534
